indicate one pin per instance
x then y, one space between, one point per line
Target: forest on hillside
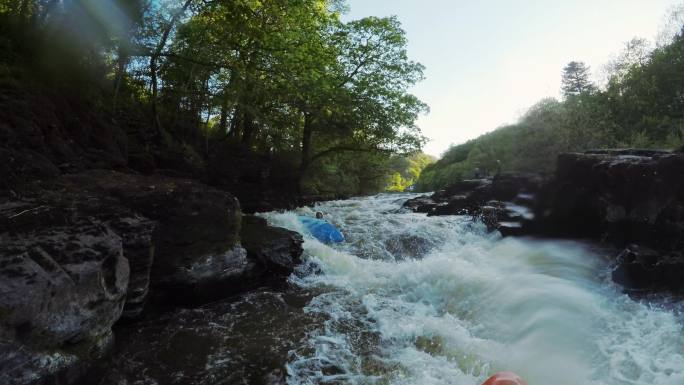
325 100
641 105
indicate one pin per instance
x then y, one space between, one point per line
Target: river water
410 299
413 300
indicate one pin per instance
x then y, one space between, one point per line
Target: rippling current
410 299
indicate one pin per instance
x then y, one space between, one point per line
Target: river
414 300
411 299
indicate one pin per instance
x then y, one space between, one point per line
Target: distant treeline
640 106
287 79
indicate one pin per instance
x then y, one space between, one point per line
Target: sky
488 61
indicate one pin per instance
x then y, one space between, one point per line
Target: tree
363 103
576 79
672 26
635 53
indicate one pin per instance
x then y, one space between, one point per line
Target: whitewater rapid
411 299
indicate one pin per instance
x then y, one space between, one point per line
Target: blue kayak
322 230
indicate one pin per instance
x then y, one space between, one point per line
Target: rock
492 213
626 196
504 202
421 204
136 234
408 246
64 286
65 248
622 197
172 230
55 207
462 198
276 248
508 187
641 268
196 238
467 186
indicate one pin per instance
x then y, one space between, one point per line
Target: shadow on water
244 340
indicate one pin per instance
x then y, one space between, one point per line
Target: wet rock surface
83 247
504 202
629 198
63 286
276 249
83 251
181 237
641 269
622 197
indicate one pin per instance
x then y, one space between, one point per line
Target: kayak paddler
321 229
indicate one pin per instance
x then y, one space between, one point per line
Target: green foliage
404 171
641 107
280 77
576 79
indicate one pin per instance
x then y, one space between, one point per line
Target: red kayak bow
505 378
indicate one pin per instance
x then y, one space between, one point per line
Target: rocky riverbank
632 199
82 252
102 226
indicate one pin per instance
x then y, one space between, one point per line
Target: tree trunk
235 123
223 122
120 71
154 66
306 145
248 129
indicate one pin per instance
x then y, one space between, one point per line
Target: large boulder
624 196
277 249
79 252
503 203
640 268
63 279
421 204
197 252
45 208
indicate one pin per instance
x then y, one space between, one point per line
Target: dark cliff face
633 196
83 251
632 199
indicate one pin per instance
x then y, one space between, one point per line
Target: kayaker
321 229
505 378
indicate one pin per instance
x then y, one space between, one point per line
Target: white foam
474 304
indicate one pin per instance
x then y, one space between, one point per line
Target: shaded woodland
283 86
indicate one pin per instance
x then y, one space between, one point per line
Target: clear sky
487 61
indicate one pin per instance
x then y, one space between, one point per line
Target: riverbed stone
194 233
642 268
64 286
275 248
